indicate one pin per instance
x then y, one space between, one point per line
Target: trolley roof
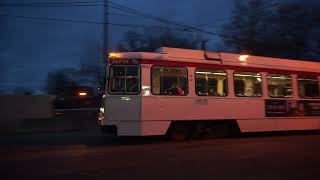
199 56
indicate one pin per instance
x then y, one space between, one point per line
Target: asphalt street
91 155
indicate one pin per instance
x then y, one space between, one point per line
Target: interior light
248 75
214 73
244 75
280 77
304 79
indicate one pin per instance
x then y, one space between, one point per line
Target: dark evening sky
30 48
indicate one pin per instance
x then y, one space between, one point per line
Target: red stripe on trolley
223 67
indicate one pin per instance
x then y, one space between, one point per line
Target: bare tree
277 30
151 39
245 30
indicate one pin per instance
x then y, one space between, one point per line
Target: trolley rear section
189 93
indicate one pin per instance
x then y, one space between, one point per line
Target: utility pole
105 41
106 31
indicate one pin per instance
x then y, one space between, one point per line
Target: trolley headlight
102 110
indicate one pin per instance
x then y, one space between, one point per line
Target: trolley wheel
177 136
215 129
204 130
178 132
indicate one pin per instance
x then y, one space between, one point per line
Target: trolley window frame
183 67
124 93
195 82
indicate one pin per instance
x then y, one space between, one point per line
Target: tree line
285 30
256 27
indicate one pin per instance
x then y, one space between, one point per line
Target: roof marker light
243 58
114 55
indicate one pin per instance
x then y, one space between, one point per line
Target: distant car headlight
82 94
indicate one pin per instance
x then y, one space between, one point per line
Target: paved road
90 155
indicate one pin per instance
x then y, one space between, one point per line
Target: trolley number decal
144 66
124 61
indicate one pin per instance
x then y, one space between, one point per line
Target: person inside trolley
175 89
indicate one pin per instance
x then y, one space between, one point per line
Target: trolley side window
247 84
279 85
124 79
308 87
211 82
170 81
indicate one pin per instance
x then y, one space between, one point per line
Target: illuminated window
171 81
308 87
211 82
124 79
247 84
279 85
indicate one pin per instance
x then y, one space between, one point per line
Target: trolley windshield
124 79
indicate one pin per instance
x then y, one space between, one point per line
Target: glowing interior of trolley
181 91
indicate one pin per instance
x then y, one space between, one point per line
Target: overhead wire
114 5
52 6
50 3
185 27
85 3
159 19
93 3
84 21
94 22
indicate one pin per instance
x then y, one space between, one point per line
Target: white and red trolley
190 91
